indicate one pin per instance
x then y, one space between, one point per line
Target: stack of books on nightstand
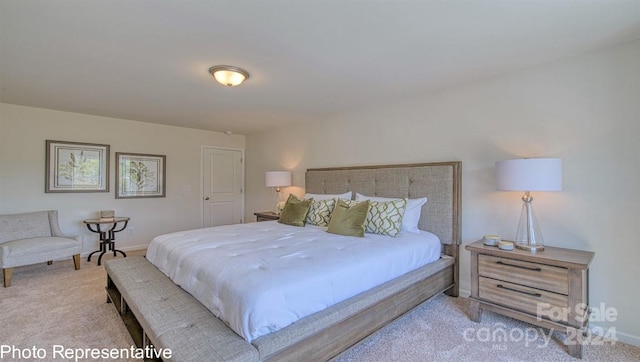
107 215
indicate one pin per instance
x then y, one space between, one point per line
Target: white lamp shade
529 174
277 178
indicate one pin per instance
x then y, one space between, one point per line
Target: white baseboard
125 249
621 336
135 247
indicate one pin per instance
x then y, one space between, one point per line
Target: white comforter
260 277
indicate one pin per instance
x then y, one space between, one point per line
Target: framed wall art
76 167
140 175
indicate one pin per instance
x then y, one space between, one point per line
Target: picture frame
140 175
76 167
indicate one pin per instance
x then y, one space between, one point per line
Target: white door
222 184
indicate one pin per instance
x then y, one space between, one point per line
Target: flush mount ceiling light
228 75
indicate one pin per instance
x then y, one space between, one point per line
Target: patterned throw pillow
350 203
412 213
320 212
385 217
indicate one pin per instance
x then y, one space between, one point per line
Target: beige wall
585 110
23 131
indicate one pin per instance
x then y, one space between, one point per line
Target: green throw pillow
295 211
349 220
385 217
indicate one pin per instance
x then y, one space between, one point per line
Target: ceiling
147 60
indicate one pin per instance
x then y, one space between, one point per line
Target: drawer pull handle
537 295
518 266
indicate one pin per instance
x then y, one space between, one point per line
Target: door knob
206 198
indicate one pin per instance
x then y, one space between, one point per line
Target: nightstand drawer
266 216
539 276
523 298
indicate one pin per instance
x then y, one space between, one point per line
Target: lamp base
531 248
529 235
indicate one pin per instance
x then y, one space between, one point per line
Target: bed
327 331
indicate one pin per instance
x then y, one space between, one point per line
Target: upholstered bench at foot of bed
150 303
169 317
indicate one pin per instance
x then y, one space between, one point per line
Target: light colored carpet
57 305
440 330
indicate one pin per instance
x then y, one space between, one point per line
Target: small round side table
107 235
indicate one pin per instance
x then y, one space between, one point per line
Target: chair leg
7 272
76 261
50 262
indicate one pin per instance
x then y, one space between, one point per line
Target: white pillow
412 213
346 196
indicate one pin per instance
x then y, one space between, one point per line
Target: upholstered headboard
439 182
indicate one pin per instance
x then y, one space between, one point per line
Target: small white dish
491 240
505 245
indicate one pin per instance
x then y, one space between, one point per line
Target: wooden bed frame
324 335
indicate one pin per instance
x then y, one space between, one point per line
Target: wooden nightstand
549 288
266 216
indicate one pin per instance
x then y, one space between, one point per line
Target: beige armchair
32 238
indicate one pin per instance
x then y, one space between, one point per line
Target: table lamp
529 174
277 179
